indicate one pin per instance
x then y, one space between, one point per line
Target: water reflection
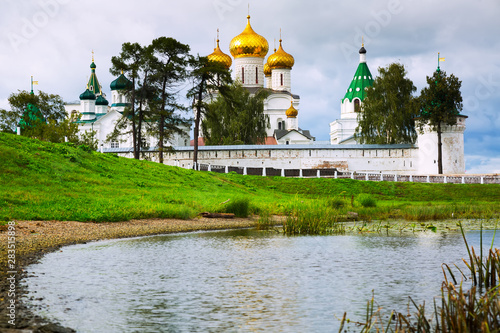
241 280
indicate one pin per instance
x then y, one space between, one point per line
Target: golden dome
292 112
267 69
220 57
280 59
248 44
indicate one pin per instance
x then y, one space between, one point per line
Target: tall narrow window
256 75
281 79
242 75
357 106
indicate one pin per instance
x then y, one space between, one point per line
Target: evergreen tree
389 108
169 71
236 117
440 104
130 62
209 79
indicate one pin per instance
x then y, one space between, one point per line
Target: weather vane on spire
92 55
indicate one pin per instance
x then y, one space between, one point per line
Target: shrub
336 202
366 200
239 207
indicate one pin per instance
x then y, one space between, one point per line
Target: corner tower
342 130
356 93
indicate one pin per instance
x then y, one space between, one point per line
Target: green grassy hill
46 181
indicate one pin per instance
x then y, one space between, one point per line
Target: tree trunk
440 150
197 123
162 121
134 128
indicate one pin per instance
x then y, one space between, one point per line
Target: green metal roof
101 100
87 94
121 83
93 84
362 80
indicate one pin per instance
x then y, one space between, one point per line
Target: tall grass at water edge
459 310
313 218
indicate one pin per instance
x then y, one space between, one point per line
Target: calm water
238 281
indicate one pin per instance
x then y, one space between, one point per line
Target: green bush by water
239 207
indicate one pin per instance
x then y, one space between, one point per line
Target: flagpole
32 84
438 62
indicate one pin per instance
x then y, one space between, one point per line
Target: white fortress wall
399 159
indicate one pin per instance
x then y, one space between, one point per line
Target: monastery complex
287 145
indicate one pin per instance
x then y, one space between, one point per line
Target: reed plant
460 310
312 218
240 207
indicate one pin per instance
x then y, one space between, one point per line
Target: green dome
87 95
101 100
92 65
121 83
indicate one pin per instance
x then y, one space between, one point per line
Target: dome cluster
251 44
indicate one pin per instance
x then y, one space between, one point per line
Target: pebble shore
33 239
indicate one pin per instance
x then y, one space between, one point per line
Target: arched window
357 105
256 75
242 75
281 79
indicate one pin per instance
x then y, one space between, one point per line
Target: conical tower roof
93 84
362 79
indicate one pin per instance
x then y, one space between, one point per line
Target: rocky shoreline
33 239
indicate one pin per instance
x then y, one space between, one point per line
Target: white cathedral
249 50
287 145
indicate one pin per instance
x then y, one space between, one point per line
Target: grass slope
46 181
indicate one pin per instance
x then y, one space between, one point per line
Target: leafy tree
51 106
389 108
169 70
41 116
236 117
209 79
440 104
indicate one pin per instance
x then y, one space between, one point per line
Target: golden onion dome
220 57
280 59
248 44
267 69
292 112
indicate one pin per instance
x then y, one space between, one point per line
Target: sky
53 40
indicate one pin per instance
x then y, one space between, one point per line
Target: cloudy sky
53 40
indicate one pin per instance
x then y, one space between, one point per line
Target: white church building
98 116
250 68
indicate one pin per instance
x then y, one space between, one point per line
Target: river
239 281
